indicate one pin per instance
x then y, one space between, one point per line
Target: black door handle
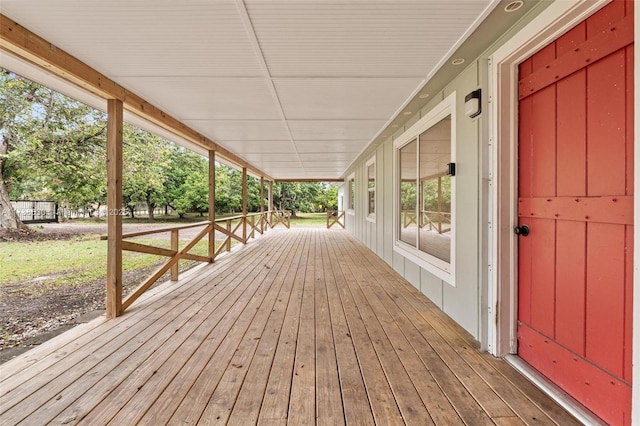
521 230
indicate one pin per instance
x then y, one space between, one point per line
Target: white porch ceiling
298 88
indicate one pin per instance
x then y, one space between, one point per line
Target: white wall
459 301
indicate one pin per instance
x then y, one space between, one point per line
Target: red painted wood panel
543 57
613 12
525 147
606 122
617 209
525 68
629 118
607 396
575 279
571 39
590 51
572 135
543 275
524 278
628 304
543 136
570 285
605 296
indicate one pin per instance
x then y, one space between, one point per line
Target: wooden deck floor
301 326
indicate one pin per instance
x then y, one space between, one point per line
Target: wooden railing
432 219
335 217
239 228
283 217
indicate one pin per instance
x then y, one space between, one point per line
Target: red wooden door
575 172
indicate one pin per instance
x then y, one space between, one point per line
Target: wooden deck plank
409 401
302 326
67 370
410 346
120 385
275 403
145 359
383 403
247 407
355 401
328 396
303 384
226 393
459 341
202 360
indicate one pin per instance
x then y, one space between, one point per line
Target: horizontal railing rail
239 228
335 217
440 221
280 217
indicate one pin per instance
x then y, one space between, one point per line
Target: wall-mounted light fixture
451 169
472 104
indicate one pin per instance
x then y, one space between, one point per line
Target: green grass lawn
50 264
310 219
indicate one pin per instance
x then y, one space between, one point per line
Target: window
371 186
425 191
352 191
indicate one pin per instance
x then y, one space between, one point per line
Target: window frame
351 194
438 267
371 216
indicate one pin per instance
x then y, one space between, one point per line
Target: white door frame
503 188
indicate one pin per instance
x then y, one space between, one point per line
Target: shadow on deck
301 326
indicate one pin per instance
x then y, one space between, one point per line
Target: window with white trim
425 191
371 188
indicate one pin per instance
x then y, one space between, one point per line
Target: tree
42 131
181 165
195 193
328 197
296 196
146 159
228 189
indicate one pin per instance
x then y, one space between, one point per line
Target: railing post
261 204
174 246
271 203
244 205
439 204
228 233
114 208
212 204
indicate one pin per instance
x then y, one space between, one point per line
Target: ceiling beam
23 43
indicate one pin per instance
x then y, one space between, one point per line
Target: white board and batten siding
458 299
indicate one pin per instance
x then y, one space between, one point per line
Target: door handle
521 230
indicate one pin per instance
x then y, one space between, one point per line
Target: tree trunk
9 219
150 208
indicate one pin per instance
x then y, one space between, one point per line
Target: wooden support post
212 204
270 195
175 239
244 205
262 204
228 248
114 208
439 204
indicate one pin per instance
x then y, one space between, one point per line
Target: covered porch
302 326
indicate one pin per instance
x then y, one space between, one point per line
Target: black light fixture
472 104
451 169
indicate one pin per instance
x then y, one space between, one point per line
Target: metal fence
36 211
